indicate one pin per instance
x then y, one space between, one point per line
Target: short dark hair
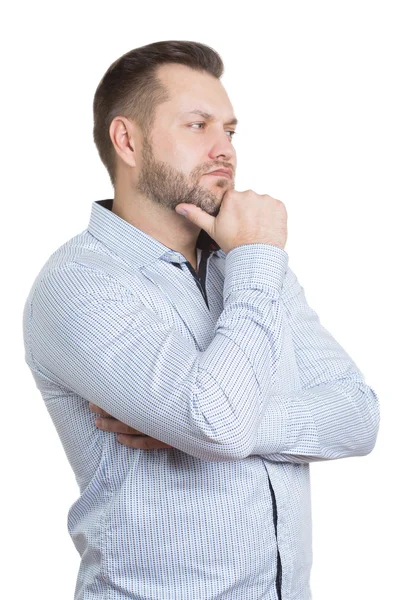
130 88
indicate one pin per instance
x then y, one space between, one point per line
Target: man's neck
165 225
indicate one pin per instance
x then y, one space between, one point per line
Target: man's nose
222 146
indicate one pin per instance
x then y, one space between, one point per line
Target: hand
243 218
127 436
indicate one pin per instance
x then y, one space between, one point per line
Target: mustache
220 166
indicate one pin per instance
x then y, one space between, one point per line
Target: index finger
99 411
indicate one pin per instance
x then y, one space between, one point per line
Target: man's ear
122 134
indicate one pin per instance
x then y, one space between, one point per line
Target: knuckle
249 193
109 422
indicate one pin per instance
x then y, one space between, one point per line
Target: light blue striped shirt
233 369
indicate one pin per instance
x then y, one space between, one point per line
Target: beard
168 187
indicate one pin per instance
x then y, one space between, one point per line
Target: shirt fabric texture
233 369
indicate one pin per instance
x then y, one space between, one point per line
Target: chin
215 212
216 186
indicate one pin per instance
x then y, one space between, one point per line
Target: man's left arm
334 414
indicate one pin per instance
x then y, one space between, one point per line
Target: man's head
147 134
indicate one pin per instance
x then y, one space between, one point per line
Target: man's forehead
186 93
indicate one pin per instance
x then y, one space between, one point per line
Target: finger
111 424
99 411
142 442
198 216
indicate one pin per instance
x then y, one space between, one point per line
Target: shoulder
82 265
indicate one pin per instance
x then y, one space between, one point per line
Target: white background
315 87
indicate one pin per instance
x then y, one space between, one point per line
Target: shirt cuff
255 266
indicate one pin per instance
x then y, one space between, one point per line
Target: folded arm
88 333
334 414
220 404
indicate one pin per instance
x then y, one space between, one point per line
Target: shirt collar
133 244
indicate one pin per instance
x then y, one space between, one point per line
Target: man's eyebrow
209 117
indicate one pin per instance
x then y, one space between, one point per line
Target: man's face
184 146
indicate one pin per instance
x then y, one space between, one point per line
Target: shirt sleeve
91 335
334 414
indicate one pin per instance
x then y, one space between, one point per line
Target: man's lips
223 172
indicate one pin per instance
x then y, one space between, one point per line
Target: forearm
331 412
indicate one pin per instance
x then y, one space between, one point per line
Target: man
193 331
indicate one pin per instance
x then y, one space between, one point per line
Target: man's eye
198 123
228 130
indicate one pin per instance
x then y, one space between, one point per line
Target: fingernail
181 211
98 421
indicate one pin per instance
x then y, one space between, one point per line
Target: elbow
226 454
228 443
365 436
371 420
219 450
367 445
370 439
213 452
240 451
222 428
355 433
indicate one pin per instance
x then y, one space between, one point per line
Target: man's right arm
93 336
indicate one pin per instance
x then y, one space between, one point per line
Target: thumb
197 216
